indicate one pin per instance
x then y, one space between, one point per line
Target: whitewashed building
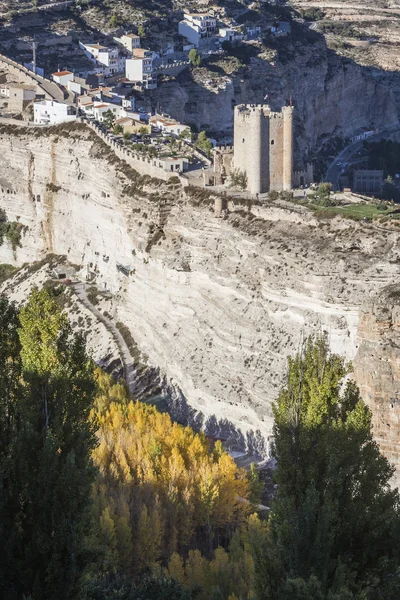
107 60
197 28
167 125
63 77
140 68
130 41
50 112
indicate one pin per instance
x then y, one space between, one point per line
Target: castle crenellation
263 147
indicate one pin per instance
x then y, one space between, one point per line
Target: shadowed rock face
216 304
377 368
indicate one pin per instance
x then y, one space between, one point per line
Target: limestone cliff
333 96
216 304
377 368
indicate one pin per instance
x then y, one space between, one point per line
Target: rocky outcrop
216 304
333 96
377 368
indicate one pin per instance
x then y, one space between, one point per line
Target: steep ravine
216 304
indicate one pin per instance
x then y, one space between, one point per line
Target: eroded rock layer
377 368
216 304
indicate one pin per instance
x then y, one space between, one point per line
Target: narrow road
333 172
52 89
125 355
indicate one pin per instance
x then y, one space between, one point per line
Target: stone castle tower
263 146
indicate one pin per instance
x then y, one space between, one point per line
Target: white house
228 34
197 28
170 164
167 124
63 77
97 109
140 69
130 41
75 87
49 112
108 60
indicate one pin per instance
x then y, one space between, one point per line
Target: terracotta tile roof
166 121
140 52
125 119
61 73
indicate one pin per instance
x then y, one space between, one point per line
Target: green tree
255 484
141 32
194 57
46 465
273 195
10 392
118 129
238 179
334 525
114 21
204 143
109 119
186 134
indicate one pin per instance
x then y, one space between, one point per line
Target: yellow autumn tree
166 494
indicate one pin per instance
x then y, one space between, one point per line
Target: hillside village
105 78
116 75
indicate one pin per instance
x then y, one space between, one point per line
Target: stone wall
172 69
23 75
263 147
141 163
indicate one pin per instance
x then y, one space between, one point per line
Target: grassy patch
6 271
353 211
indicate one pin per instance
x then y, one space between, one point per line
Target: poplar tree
334 525
47 466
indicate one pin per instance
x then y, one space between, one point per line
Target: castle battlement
263 146
246 110
224 149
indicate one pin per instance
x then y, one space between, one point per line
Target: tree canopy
334 526
46 472
102 497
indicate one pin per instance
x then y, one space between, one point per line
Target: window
272 142
243 141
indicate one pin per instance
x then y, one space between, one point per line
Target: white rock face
216 304
99 342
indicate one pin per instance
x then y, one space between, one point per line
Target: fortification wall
251 145
276 151
223 158
287 179
173 69
142 164
263 147
23 75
